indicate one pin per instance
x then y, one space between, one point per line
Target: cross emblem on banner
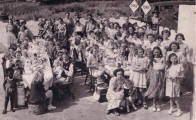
134 6
146 7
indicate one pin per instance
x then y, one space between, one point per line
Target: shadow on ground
78 91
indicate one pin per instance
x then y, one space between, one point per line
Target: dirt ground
84 107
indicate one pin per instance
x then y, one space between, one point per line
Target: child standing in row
138 76
10 89
174 76
156 86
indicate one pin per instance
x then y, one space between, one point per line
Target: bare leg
171 103
143 98
154 102
177 103
127 104
154 105
158 105
49 96
179 111
171 106
6 103
132 103
12 102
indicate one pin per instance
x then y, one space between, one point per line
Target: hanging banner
134 6
146 7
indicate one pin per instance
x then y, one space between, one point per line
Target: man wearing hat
155 21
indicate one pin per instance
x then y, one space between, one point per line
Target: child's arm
4 83
180 77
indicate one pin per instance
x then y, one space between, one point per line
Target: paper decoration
134 6
146 7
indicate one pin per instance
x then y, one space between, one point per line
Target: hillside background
106 8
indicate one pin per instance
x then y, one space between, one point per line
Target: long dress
157 79
115 97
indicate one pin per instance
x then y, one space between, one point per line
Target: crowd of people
146 61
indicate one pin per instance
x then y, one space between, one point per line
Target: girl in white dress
174 76
138 76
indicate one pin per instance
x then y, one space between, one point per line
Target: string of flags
145 7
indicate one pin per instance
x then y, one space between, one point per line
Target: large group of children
157 63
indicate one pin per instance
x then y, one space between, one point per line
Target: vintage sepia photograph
97 60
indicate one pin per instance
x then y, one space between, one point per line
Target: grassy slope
28 10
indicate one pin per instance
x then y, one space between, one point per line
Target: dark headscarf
118 70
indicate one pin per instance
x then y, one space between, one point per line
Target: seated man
78 56
63 70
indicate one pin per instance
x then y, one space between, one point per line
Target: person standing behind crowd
79 28
11 38
69 24
157 82
30 35
130 31
127 24
136 40
16 27
166 41
90 25
22 35
61 31
174 77
150 43
183 47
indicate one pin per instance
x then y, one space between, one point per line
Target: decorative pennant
134 6
146 7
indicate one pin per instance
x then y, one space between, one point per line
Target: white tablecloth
48 74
